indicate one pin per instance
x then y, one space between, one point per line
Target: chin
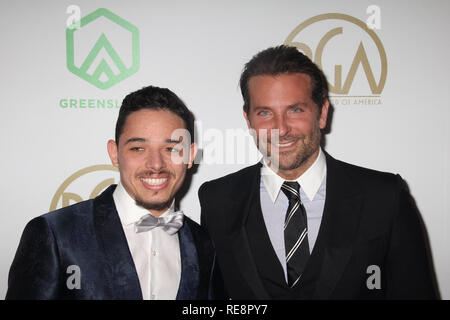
154 205
294 163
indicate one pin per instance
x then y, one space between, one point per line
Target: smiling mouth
155 183
285 145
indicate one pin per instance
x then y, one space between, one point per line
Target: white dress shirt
274 203
156 254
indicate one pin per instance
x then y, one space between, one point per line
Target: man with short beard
130 242
300 224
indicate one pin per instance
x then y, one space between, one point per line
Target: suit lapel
244 203
338 230
190 272
268 264
120 273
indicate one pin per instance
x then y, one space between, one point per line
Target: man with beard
300 224
130 242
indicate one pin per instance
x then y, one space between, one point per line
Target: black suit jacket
369 219
90 235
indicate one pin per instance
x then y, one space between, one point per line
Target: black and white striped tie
295 233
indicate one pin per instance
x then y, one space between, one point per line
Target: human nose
282 125
155 160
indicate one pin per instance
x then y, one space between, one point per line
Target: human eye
173 149
297 110
263 113
136 148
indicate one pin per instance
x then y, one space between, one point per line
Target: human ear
113 153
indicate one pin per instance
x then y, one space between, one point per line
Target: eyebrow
137 139
173 141
297 104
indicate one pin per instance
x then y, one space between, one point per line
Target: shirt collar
129 212
309 181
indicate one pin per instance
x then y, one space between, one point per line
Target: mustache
150 172
284 139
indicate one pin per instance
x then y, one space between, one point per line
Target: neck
157 213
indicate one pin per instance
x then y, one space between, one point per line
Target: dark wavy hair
284 60
154 98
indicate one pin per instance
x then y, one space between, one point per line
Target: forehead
148 123
282 89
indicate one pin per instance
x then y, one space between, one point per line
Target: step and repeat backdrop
67 65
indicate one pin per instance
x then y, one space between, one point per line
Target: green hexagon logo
102 65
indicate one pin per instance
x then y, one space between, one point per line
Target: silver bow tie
170 223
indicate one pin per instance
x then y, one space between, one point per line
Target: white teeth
154 182
285 144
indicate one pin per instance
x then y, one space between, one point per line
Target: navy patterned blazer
90 235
